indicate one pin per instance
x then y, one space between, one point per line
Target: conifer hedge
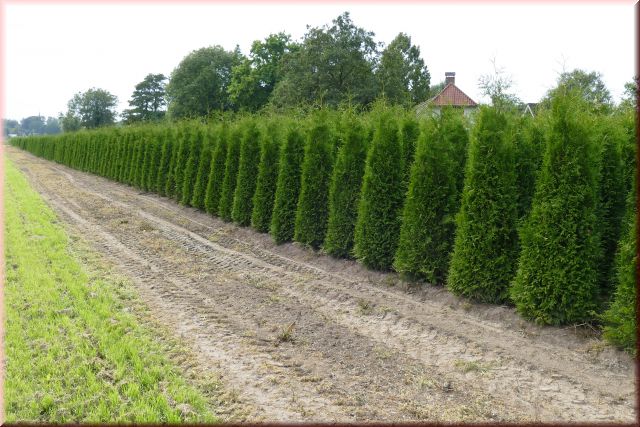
264 196
557 275
397 185
248 165
486 243
344 191
285 201
378 224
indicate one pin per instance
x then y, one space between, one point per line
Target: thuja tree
248 165
230 174
557 274
156 154
170 183
486 244
608 136
620 318
196 136
267 178
166 153
288 186
313 207
204 167
216 173
378 224
428 220
528 144
147 162
344 190
409 132
183 139
456 136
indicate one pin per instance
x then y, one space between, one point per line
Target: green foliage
528 144
230 174
196 136
254 78
402 76
184 148
147 100
428 220
588 86
378 223
620 318
204 168
288 186
333 64
170 183
557 275
313 206
216 173
409 132
199 84
486 243
248 165
164 169
456 135
611 196
91 109
344 190
264 196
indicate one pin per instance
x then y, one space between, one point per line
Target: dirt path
297 335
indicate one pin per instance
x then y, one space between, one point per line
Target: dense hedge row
500 208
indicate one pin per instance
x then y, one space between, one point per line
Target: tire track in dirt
419 357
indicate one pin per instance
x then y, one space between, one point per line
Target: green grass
75 352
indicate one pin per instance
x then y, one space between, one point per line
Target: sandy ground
297 335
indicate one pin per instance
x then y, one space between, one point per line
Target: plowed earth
297 335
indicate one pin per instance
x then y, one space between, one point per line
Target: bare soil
296 335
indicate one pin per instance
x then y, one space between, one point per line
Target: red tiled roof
452 95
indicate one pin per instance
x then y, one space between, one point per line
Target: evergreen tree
156 152
170 185
216 174
428 220
230 174
382 196
486 243
456 135
191 166
313 209
264 196
248 165
528 142
204 167
288 186
165 161
610 199
557 275
409 133
344 191
620 318
185 141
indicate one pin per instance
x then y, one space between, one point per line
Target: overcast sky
54 51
